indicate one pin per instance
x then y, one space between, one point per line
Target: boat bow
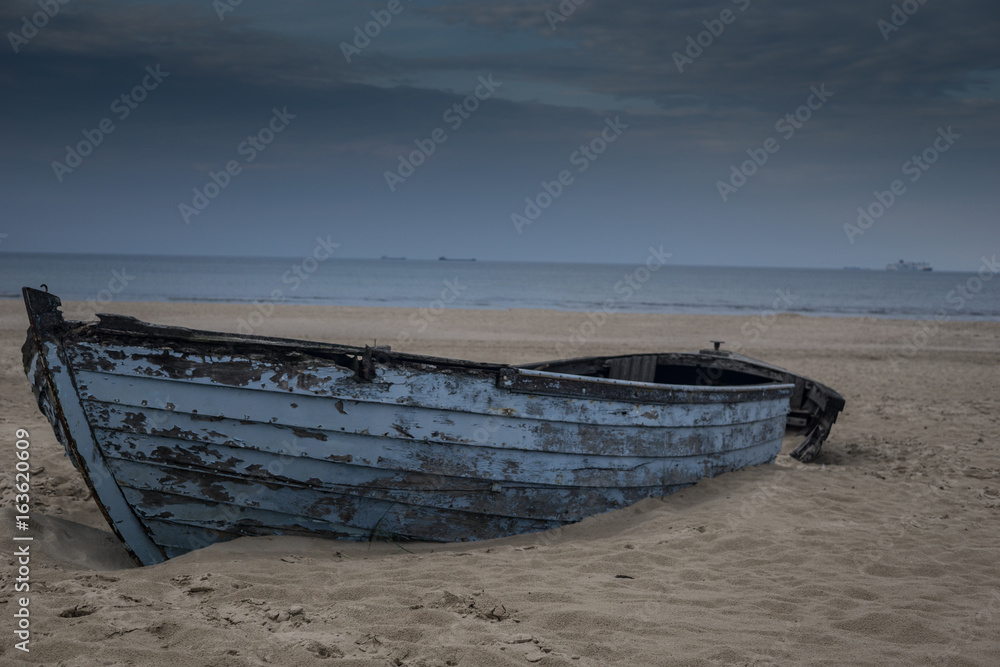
56 392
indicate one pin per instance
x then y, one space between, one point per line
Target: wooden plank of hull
359 447
214 445
176 539
177 495
438 492
689 426
508 467
443 486
402 423
224 502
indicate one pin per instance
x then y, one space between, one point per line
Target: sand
885 551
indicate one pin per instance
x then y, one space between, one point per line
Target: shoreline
745 312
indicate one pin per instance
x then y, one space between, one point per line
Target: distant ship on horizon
908 266
442 258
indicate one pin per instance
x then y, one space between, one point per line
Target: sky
734 132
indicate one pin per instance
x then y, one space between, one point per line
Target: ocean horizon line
464 259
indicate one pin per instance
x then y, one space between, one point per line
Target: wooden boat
189 437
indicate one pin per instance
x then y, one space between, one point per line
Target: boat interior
689 369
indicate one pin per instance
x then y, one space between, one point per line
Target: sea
654 286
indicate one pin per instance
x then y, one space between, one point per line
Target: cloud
761 58
686 128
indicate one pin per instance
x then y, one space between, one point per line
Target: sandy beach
885 551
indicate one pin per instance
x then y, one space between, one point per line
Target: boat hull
189 438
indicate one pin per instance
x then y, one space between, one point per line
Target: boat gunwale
752 394
507 376
110 323
95 404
